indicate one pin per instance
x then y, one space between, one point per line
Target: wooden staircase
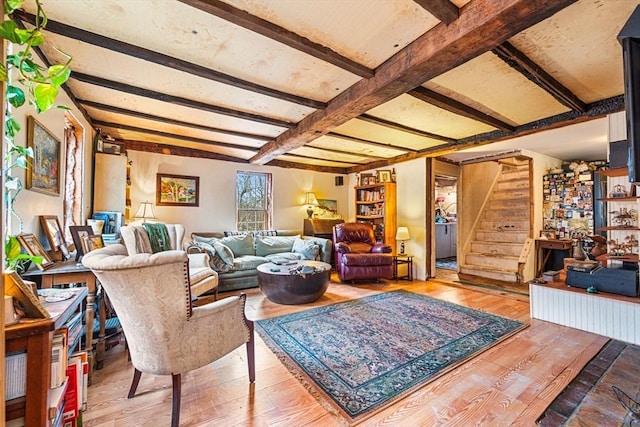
502 236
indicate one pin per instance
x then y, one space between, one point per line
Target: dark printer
621 281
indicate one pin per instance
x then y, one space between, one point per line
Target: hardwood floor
508 385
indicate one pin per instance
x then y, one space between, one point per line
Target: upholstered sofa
236 255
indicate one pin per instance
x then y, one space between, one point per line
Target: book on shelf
15 365
59 352
84 358
72 396
56 403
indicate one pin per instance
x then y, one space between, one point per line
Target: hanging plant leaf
59 74
15 96
45 96
11 5
8 31
11 128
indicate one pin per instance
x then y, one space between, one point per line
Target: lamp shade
311 200
402 233
145 211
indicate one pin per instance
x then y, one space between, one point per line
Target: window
253 201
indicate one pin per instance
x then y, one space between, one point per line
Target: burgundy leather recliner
357 254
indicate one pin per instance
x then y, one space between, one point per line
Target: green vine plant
39 86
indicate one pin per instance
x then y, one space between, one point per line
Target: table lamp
402 234
145 212
310 201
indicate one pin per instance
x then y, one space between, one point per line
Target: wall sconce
402 234
310 201
145 212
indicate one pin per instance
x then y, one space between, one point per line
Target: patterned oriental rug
362 355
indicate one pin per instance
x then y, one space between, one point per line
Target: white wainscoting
610 315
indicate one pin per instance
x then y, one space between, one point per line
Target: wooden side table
74 272
402 259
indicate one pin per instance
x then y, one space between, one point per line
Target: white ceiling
582 141
341 85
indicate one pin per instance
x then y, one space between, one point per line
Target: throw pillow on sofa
306 248
220 256
274 245
241 244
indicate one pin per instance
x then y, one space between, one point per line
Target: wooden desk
35 337
544 247
74 272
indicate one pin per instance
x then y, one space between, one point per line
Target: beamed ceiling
335 85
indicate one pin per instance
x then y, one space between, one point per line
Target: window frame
268 205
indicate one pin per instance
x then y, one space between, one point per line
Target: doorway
445 217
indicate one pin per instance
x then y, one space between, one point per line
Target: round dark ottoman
298 282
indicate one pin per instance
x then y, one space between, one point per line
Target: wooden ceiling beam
444 10
453 106
268 29
166 60
174 136
369 142
132 113
154 147
482 25
177 100
522 63
595 110
407 129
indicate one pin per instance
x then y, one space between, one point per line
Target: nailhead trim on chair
187 289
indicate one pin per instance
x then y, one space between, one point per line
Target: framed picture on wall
43 171
177 190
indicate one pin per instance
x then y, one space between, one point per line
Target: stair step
505 214
508 175
493 248
502 236
503 262
513 203
506 225
493 274
511 194
513 184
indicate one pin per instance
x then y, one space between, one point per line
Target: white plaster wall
217 191
30 204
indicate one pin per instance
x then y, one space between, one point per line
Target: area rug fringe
328 403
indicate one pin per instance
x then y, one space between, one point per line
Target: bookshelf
376 204
34 338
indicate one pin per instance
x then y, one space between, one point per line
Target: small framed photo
92 242
53 231
177 190
43 171
78 232
367 179
30 243
384 175
548 234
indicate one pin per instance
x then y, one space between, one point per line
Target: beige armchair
165 334
202 277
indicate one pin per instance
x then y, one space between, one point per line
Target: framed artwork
384 175
91 242
367 179
548 234
177 190
43 172
78 232
30 244
53 231
326 209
